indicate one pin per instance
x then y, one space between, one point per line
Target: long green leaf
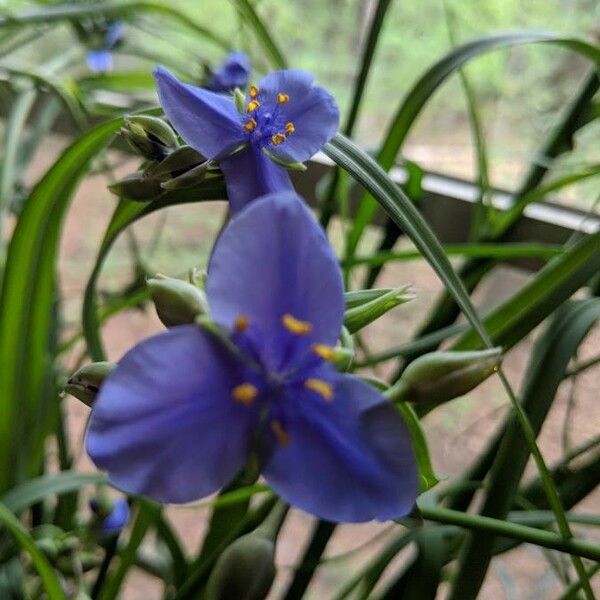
126 213
49 579
553 285
27 305
246 9
71 12
418 96
35 490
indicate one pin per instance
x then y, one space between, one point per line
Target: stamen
244 393
278 138
253 91
250 125
320 387
252 106
324 351
241 323
282 98
295 326
289 128
283 437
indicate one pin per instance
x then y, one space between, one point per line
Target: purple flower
100 59
286 120
183 411
233 72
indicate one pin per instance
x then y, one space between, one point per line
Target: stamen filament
283 437
320 387
296 326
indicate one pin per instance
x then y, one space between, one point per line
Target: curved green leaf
49 579
423 89
126 213
27 307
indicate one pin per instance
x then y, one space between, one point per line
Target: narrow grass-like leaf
50 581
553 285
248 12
27 305
126 213
418 96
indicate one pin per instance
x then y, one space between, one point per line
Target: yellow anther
282 98
241 323
250 125
295 326
278 138
324 351
283 437
252 106
245 393
253 91
289 128
320 387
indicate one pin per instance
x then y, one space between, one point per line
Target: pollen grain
296 326
289 128
320 387
278 138
252 106
282 98
250 125
245 393
241 323
324 351
253 93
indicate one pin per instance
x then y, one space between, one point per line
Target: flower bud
137 186
178 162
360 316
177 302
85 383
150 136
441 376
244 571
188 179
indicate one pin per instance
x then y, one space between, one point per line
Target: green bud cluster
167 167
177 302
85 383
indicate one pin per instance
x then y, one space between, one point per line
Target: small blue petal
273 259
311 109
233 72
249 174
348 459
114 34
99 61
207 121
164 423
117 518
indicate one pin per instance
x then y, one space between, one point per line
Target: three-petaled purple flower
100 59
286 120
184 410
232 73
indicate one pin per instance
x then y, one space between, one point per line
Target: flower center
263 118
275 389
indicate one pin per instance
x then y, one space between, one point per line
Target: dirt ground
455 432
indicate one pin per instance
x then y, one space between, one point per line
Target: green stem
573 589
540 537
